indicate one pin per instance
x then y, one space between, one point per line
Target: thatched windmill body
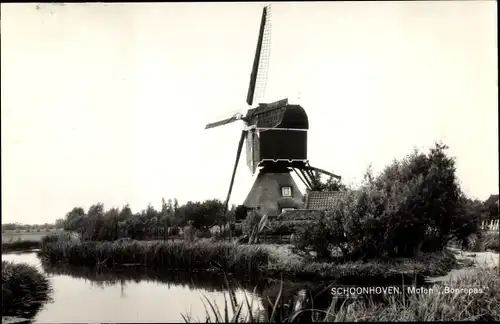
276 140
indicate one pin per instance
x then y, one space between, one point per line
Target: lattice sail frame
270 119
265 54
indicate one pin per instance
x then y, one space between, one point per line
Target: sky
108 102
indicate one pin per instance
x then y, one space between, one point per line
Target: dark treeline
102 225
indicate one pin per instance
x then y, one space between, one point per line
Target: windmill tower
276 140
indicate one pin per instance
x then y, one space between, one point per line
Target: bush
24 290
287 226
202 234
315 236
413 204
62 237
300 214
174 230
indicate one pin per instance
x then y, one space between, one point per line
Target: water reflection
135 295
82 294
193 280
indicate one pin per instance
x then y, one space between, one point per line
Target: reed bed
24 290
454 306
198 255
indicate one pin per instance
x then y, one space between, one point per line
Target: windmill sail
221 122
252 153
258 77
238 154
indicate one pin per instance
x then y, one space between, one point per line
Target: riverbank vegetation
242 259
396 225
393 222
177 254
24 290
438 303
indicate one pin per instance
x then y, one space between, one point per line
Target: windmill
276 139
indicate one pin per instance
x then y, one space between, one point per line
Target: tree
240 212
331 184
110 227
165 217
151 216
194 212
469 216
93 222
125 213
492 208
59 224
230 214
74 219
204 214
96 210
413 204
177 219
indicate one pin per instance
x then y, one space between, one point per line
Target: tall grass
233 311
198 255
24 290
432 306
460 306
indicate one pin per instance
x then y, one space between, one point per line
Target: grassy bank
431 306
24 290
20 246
284 262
